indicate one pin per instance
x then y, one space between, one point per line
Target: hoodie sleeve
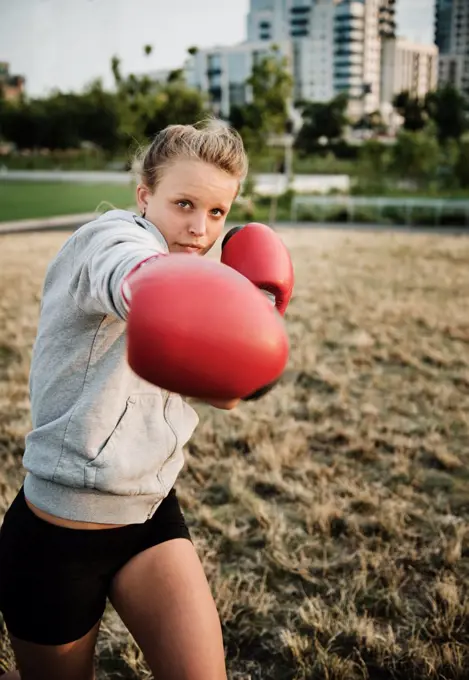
105 253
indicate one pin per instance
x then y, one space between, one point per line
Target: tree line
432 144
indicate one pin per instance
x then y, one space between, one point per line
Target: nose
198 225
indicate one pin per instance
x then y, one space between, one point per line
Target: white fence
276 184
381 209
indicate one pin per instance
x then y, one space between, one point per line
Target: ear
143 194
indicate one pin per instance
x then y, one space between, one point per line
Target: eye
217 212
184 204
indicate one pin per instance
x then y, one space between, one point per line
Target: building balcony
349 63
300 10
349 28
348 71
350 80
387 22
348 18
354 79
348 37
341 52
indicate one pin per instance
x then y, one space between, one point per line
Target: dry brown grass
332 517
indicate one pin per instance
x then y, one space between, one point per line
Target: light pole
288 144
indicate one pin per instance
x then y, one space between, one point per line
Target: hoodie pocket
132 458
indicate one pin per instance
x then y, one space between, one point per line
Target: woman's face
190 205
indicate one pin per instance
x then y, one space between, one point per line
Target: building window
214 63
299 22
237 94
215 94
452 72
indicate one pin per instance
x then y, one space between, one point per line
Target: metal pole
408 213
288 146
289 160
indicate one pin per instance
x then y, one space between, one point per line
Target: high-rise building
452 39
267 20
357 57
281 19
336 45
312 37
222 71
407 67
333 47
443 20
308 26
387 19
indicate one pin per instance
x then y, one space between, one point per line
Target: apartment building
452 40
222 71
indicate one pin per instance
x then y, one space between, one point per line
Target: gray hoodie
105 445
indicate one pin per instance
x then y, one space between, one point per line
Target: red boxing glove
200 329
257 252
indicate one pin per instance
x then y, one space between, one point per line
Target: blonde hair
209 140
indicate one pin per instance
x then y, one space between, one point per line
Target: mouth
189 247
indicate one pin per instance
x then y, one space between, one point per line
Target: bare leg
164 599
73 661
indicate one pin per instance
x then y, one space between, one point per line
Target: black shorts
54 581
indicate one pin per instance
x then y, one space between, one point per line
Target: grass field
24 200
332 517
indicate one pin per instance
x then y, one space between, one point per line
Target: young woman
97 516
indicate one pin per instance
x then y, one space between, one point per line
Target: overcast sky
65 44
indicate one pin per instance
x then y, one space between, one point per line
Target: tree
174 102
176 75
267 113
461 167
63 121
271 84
373 165
415 156
446 107
412 110
372 121
116 71
322 120
136 110
99 117
146 107
23 124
